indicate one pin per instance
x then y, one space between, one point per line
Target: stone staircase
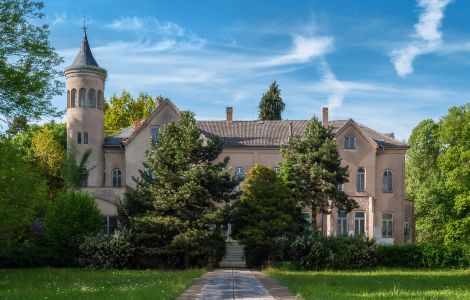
233 256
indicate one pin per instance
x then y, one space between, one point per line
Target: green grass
51 283
377 284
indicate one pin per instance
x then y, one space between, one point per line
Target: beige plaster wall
114 159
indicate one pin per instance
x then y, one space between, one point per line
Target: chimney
325 116
137 123
291 131
229 111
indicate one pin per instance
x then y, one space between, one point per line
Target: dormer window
350 142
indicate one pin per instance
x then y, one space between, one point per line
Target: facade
376 161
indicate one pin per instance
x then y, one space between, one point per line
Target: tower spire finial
84 24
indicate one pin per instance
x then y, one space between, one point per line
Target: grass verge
376 284
51 283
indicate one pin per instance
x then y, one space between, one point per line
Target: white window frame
350 142
116 176
342 224
387 181
387 225
154 131
359 223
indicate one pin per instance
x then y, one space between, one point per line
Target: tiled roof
85 59
263 133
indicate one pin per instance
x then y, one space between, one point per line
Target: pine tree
184 186
311 167
271 105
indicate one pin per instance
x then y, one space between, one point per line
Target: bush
108 251
27 255
313 252
72 216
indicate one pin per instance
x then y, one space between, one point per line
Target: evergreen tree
265 214
311 167
271 105
184 224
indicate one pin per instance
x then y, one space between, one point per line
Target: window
85 137
361 180
406 228
73 98
82 97
239 173
387 182
100 100
68 99
116 173
277 169
91 98
359 223
111 224
79 138
342 224
154 133
350 142
84 179
387 225
340 186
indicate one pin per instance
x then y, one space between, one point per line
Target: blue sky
387 64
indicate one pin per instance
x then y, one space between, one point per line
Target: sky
386 64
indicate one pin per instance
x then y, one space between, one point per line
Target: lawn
51 283
377 284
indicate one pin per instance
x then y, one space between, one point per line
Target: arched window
361 180
239 173
92 98
68 98
387 182
387 225
82 97
100 100
85 137
116 177
79 138
73 98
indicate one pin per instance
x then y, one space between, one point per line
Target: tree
438 177
72 216
271 105
19 124
265 214
184 187
28 79
311 167
122 111
22 196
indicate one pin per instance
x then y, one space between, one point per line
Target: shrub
108 251
72 216
313 252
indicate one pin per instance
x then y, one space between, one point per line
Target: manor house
376 160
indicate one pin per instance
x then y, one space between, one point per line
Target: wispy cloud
426 38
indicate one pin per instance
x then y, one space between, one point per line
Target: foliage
28 254
27 61
271 105
183 186
438 177
72 216
19 124
424 256
108 251
74 173
314 252
81 284
22 196
122 111
311 167
264 214
387 284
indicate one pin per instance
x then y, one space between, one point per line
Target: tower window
116 173
100 100
85 137
82 97
361 180
68 98
92 98
79 138
73 98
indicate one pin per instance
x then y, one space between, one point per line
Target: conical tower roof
84 59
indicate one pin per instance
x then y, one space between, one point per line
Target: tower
85 111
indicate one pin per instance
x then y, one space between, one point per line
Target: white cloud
426 38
